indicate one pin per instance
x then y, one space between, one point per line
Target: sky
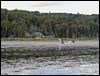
82 7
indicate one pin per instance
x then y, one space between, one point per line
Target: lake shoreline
42 49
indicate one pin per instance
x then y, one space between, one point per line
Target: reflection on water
57 70
61 65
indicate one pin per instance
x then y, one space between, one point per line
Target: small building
38 35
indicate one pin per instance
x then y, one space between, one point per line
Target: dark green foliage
16 23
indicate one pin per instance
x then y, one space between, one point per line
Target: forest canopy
17 23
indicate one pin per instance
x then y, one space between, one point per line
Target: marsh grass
41 39
15 53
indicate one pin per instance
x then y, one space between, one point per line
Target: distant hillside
17 23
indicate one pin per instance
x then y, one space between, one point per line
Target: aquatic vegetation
24 52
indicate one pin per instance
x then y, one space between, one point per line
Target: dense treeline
19 22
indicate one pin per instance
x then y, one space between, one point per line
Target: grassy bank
41 39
